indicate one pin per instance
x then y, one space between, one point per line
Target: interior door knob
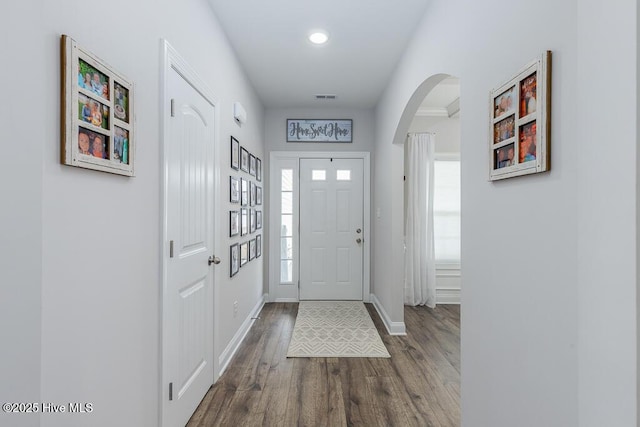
358 240
214 260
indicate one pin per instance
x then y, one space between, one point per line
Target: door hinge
170 391
170 248
173 107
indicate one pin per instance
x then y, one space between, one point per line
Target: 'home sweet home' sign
320 130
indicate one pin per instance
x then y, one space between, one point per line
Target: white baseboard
447 296
394 328
230 351
287 300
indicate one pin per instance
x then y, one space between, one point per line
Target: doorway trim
172 60
291 293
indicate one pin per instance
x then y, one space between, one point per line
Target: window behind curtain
446 212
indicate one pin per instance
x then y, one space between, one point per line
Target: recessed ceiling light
318 37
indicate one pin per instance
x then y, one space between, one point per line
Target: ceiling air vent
325 96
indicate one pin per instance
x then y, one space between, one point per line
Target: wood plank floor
418 386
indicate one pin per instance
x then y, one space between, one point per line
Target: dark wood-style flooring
418 386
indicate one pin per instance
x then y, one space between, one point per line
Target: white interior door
331 229
188 296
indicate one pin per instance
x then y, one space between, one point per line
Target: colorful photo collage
515 139
99 135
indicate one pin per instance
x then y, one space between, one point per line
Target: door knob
214 260
358 240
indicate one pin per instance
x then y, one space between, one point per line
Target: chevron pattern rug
335 329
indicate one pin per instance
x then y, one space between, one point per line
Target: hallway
418 386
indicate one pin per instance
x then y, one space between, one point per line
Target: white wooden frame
516 165
71 55
278 160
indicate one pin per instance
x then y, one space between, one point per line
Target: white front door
188 294
331 229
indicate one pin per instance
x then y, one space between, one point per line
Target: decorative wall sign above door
319 130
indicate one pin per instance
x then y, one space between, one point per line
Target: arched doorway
433 111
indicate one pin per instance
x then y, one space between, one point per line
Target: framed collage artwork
97 102
519 141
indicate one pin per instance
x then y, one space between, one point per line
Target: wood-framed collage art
245 220
520 131
97 120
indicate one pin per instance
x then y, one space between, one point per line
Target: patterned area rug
335 329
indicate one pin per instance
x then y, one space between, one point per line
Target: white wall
20 211
607 213
528 303
95 237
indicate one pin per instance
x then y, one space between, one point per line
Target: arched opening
431 213
413 104
433 111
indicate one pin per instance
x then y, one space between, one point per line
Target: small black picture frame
234 190
252 165
244 253
258 245
234 259
252 249
244 226
244 160
235 153
244 192
234 223
258 169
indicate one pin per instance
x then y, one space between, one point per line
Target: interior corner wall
519 310
21 211
388 228
82 248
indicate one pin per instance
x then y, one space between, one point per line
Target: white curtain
419 264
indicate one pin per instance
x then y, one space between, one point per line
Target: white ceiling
366 40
